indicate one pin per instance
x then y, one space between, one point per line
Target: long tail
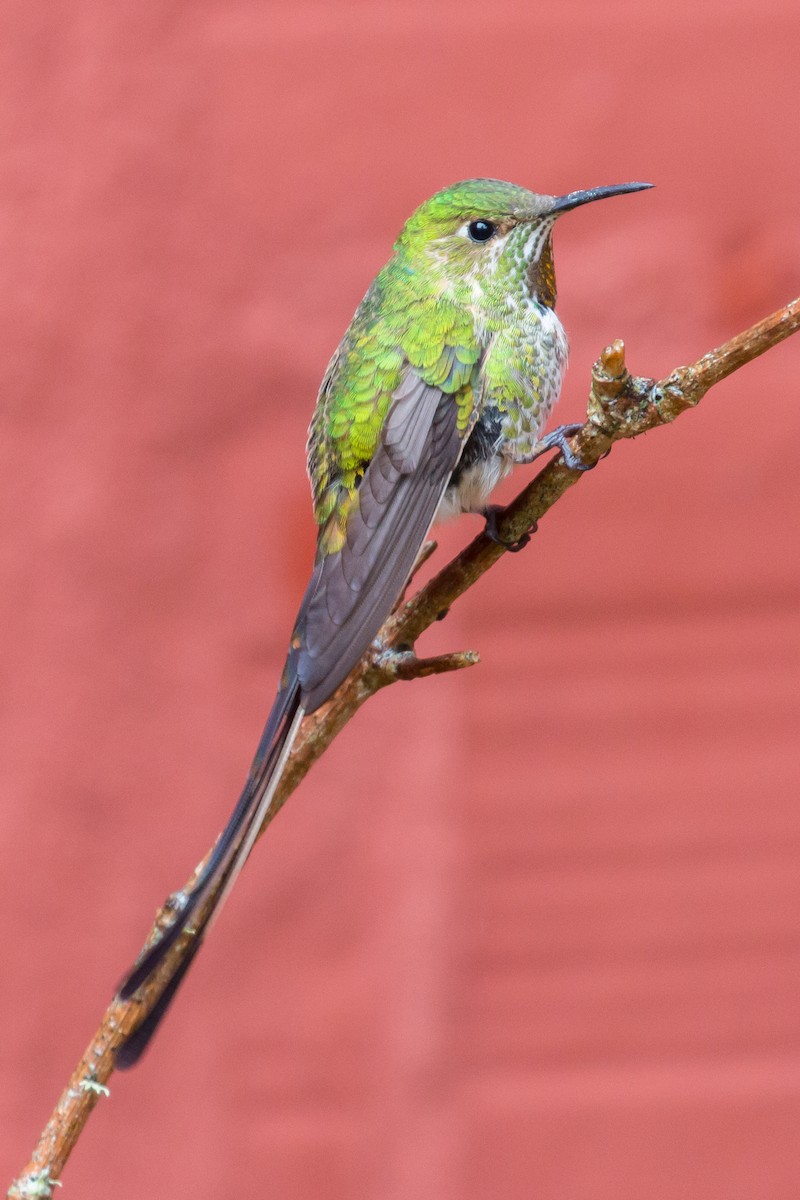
350 594
226 861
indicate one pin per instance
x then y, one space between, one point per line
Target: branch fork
404 664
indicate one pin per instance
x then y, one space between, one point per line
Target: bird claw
491 513
557 440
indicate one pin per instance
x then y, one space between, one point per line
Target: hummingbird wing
354 588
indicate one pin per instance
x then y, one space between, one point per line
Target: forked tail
226 861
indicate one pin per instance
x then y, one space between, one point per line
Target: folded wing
354 589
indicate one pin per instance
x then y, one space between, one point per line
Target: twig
620 406
400 664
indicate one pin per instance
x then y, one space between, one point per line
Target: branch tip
612 359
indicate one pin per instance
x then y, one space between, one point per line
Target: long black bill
575 199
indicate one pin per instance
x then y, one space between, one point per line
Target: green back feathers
402 322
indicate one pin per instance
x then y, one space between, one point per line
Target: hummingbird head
486 240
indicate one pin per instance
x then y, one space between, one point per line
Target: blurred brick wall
529 931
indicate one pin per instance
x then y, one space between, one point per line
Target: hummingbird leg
491 513
557 439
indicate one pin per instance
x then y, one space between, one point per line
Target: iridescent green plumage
436 307
398 325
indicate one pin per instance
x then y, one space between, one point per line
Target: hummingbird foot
557 440
491 513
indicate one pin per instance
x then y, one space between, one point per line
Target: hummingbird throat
541 272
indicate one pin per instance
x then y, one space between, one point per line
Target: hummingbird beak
575 199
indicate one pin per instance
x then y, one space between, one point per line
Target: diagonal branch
620 406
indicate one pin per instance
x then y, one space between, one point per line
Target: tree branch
620 406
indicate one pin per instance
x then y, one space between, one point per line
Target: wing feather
354 589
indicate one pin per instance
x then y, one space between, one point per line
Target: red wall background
531 930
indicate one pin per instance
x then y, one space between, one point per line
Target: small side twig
399 664
428 549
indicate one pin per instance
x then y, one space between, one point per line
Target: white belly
472 492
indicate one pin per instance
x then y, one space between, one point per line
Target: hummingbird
440 386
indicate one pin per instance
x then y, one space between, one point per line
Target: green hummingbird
441 384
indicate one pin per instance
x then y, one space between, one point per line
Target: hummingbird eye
480 231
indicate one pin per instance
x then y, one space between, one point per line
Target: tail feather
226 861
132 1050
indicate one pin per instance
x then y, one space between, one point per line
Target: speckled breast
521 377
